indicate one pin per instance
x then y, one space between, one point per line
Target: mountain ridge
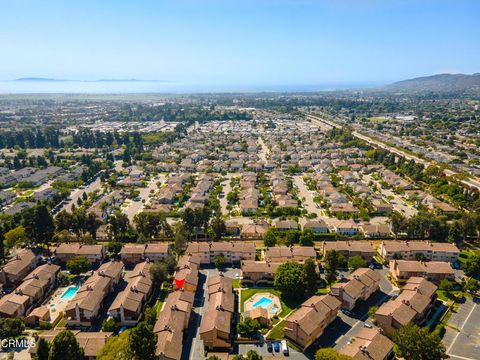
437 83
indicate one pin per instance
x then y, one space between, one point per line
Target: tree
78 265
219 261
180 241
455 233
43 349
292 237
471 286
142 342
270 238
471 266
251 355
310 275
248 326
372 311
398 222
11 327
446 285
158 272
150 315
290 280
356 262
15 237
65 347
417 343
333 261
116 348
307 238
114 247
218 227
109 325
38 224
330 354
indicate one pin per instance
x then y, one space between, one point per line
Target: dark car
269 346
276 346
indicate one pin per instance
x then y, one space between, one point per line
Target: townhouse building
127 307
434 271
94 253
350 248
233 252
412 305
415 250
86 304
216 325
290 253
308 322
361 284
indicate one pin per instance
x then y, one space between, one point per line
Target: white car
284 347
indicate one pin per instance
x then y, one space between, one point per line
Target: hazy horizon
223 45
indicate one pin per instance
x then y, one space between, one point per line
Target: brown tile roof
368 344
314 311
250 266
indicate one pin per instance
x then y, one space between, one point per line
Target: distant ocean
129 87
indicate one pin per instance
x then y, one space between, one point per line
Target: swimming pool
263 302
69 293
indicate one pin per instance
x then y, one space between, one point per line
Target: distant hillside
438 83
36 79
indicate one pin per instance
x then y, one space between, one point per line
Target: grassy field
277 332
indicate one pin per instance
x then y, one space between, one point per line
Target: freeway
327 125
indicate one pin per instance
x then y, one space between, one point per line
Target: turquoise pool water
263 302
69 293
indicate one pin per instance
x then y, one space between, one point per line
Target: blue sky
261 42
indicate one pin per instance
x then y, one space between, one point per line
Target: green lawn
237 283
287 305
277 332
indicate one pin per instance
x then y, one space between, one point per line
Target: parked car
368 326
269 346
276 346
284 347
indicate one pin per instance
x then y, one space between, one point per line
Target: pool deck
56 304
248 305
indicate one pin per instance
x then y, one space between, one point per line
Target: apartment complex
93 253
18 266
350 248
136 253
362 284
84 307
129 303
435 271
171 324
307 323
412 305
187 269
30 292
216 323
233 252
290 253
415 250
258 272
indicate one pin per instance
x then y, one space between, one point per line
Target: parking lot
464 344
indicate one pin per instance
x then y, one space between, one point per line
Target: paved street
226 188
464 344
135 206
393 199
264 151
75 194
303 192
